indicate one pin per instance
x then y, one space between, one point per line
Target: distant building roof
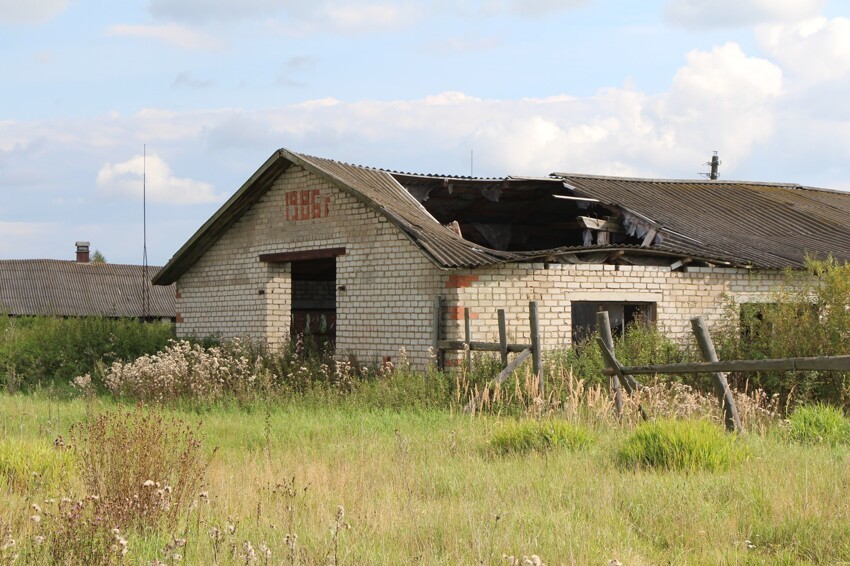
68 288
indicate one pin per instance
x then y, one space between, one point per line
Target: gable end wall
389 284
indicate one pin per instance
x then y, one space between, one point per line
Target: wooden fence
712 365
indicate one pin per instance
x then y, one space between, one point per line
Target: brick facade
385 285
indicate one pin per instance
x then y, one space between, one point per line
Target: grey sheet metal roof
68 288
744 223
729 222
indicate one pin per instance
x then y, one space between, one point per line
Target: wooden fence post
436 330
536 354
709 354
603 325
467 333
503 337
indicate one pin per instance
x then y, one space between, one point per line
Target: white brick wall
389 283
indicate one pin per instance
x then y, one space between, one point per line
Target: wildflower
39 540
35 518
204 495
36 508
149 483
248 552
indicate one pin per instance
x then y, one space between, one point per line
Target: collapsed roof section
569 218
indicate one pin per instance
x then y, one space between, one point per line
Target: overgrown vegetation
48 351
808 316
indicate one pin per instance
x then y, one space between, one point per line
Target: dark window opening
621 316
314 299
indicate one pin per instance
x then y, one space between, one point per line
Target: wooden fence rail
820 363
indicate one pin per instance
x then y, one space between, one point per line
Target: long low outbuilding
360 255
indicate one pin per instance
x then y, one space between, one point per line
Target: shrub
808 316
45 350
679 445
819 424
27 465
538 436
143 468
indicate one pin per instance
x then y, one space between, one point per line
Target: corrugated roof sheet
759 224
68 288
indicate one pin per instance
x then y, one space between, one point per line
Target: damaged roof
52 287
743 223
473 222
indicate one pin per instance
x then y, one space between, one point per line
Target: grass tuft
680 445
521 437
819 424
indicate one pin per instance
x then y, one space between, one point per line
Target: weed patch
143 468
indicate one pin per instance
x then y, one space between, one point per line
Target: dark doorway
314 299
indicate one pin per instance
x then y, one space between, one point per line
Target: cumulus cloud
125 179
171 34
697 14
815 50
30 11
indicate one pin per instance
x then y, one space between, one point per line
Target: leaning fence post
709 354
536 354
604 327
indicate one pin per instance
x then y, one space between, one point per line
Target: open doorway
314 300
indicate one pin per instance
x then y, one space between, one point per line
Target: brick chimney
82 252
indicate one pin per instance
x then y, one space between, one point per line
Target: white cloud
814 50
738 13
30 11
125 179
171 34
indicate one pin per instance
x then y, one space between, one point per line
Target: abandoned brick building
359 254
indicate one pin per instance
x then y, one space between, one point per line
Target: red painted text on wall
306 205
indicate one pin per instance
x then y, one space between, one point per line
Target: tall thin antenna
146 297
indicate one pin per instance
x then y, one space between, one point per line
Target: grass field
367 486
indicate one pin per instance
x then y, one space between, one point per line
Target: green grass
819 424
680 445
521 437
419 485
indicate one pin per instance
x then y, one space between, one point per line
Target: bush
819 424
143 469
521 437
44 350
679 445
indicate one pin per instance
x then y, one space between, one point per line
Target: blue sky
212 87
